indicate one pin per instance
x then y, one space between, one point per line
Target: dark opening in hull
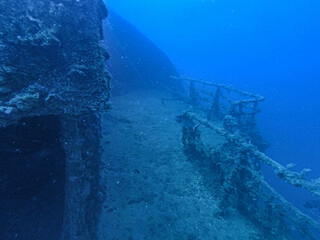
32 179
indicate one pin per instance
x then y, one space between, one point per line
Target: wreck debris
221 101
294 178
233 107
235 166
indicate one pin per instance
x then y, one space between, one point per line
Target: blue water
268 47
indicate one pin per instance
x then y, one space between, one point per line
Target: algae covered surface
53 86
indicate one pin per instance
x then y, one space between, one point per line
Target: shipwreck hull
53 88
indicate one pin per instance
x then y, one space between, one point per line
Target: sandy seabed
152 190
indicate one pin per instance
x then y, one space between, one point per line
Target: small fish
312 204
44 153
195 127
187 122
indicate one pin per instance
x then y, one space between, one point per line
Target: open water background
267 47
